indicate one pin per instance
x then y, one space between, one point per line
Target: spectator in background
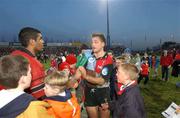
155 64
176 65
138 61
69 63
146 57
165 62
53 64
174 53
32 42
144 73
71 60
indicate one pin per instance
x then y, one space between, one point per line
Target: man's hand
82 71
104 106
72 83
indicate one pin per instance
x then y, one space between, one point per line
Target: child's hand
178 110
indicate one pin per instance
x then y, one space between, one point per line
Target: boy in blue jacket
130 104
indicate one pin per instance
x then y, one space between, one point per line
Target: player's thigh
92 112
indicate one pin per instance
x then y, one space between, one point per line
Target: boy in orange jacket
64 104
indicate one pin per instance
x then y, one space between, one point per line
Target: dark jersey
104 67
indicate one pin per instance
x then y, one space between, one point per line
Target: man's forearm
95 80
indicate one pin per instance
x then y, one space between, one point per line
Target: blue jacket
25 106
16 107
129 105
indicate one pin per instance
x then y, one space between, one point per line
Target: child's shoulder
39 103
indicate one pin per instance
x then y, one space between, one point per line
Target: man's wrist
87 77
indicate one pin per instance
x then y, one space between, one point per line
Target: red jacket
37 72
53 63
166 60
177 57
1 87
145 69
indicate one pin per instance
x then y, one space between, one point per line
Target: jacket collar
16 106
61 98
26 51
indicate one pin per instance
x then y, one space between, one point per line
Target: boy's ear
21 80
56 90
128 77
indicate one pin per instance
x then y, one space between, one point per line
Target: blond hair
130 69
121 58
58 79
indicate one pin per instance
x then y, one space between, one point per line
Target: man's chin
120 82
95 51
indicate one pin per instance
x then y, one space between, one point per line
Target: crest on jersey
105 71
91 59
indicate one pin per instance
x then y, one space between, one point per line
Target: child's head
127 72
55 83
15 72
153 56
145 61
71 60
64 66
145 55
137 55
165 52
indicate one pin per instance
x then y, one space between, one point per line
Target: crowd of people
91 78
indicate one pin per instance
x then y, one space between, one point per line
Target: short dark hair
11 70
100 35
26 34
